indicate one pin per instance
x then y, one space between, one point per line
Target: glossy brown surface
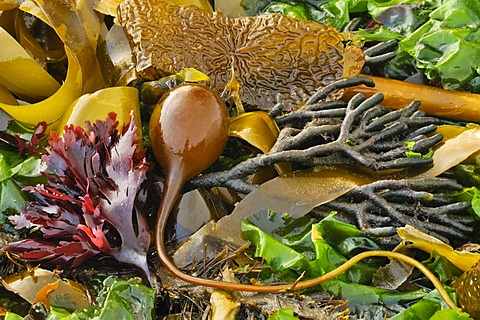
269 54
188 130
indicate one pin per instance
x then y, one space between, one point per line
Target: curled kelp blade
14 61
6 96
53 107
78 27
27 40
269 54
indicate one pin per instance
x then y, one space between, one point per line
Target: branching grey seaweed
380 53
369 135
380 207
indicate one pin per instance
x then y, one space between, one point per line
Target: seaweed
363 133
380 207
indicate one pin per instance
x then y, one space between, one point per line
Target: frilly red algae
269 54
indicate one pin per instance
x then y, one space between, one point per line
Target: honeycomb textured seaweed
468 290
269 54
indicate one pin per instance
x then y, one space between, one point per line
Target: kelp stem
434 101
379 253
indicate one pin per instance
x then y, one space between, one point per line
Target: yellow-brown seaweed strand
435 101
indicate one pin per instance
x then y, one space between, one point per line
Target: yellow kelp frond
21 74
52 108
8 4
24 61
71 23
6 97
92 107
415 238
257 128
27 40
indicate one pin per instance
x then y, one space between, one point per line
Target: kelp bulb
188 130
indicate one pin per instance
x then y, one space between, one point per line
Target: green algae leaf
283 314
281 252
430 307
471 195
448 45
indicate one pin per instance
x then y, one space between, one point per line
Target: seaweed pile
325 184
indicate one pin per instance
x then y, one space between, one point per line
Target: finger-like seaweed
362 132
380 207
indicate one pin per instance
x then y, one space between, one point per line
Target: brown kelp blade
269 54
